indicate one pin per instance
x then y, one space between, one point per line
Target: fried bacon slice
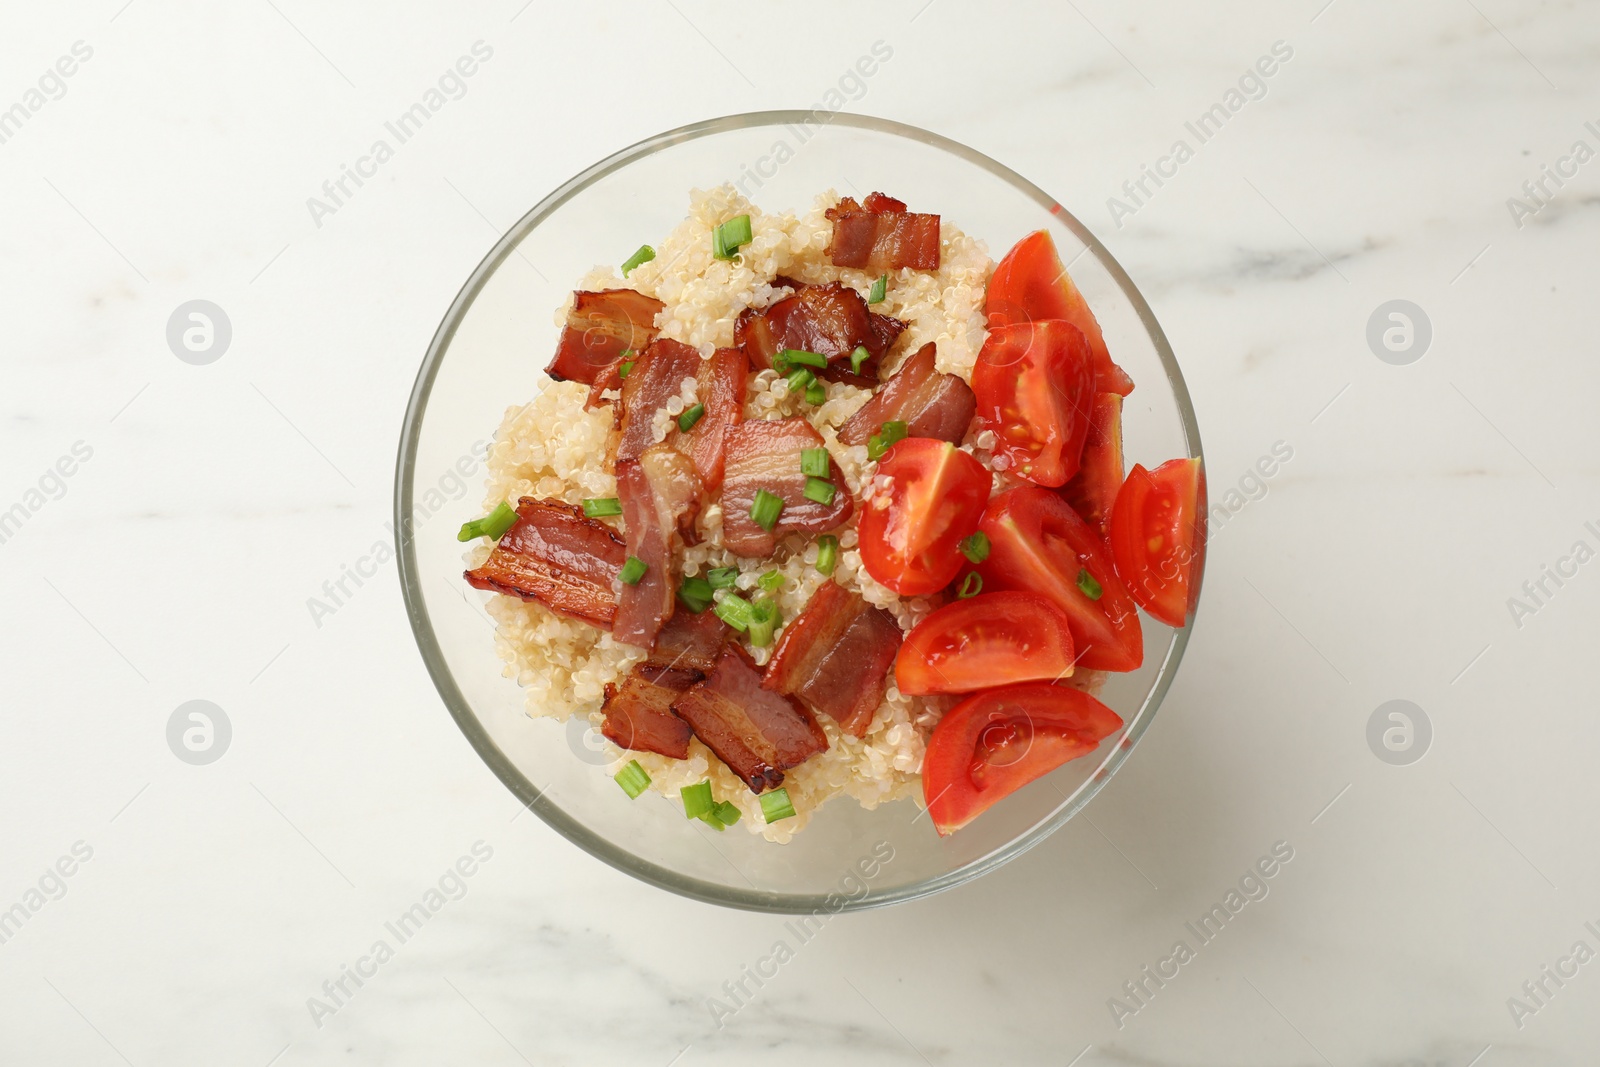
766 455
836 657
721 389
657 376
759 734
557 556
660 497
600 326
689 642
638 713
883 235
831 320
929 403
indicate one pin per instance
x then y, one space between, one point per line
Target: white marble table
206 504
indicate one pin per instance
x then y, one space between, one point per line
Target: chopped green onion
799 357
880 289
644 255
858 357
800 379
775 805
687 420
827 553
711 820
722 577
736 611
598 507
696 800
971 586
729 236
771 581
1086 582
975 546
632 779
814 461
492 525
821 490
886 438
765 509
632 571
726 812
816 394
627 365
764 621
695 594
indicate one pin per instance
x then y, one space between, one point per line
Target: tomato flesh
988 640
1031 284
911 531
1035 390
1093 490
1158 536
1038 543
997 741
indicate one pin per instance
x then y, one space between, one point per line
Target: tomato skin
1031 284
1093 490
1037 542
997 741
911 532
1158 536
984 641
1035 389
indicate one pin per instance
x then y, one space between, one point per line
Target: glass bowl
489 353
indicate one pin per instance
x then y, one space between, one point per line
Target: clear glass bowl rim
433 657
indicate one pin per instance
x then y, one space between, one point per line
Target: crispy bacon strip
660 497
759 734
657 376
638 714
599 327
836 657
929 403
607 378
721 389
766 455
830 320
883 235
554 555
689 642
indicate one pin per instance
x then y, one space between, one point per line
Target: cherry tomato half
984 641
1035 390
995 742
911 531
1093 490
1038 543
1158 536
1031 284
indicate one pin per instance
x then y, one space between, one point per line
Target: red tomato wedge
995 742
1031 284
987 640
1035 390
1158 536
1093 490
911 531
1038 543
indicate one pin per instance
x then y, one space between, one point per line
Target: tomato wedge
1093 490
1031 284
995 742
1035 390
911 531
1158 536
1038 543
987 640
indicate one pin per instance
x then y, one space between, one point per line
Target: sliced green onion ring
763 623
971 586
633 779
727 238
1089 586
632 571
695 594
816 394
696 799
765 509
736 611
799 357
722 577
493 525
820 490
771 581
814 462
880 289
599 507
687 420
975 546
644 255
775 805
858 357
827 553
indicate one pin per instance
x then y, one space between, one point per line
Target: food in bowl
828 504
